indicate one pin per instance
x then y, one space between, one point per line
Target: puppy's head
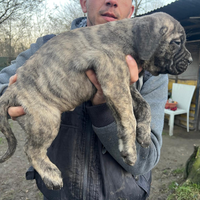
165 45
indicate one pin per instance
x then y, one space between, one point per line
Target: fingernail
128 57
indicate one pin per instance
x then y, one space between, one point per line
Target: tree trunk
192 168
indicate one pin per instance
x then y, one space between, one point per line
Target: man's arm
154 91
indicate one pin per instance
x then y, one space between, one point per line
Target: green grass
173 185
178 171
186 191
40 196
165 133
166 171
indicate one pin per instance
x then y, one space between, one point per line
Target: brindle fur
53 81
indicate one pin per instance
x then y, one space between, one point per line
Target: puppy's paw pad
53 179
56 184
143 134
142 129
128 154
145 141
129 160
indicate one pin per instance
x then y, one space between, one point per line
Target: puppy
53 81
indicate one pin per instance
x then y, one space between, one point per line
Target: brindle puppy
53 81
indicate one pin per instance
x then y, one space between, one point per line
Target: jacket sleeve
9 71
154 91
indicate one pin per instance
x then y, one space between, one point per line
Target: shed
187 12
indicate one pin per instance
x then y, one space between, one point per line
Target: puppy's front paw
128 153
143 135
53 180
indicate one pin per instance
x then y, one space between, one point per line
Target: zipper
87 153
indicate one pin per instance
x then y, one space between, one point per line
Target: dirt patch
13 185
174 153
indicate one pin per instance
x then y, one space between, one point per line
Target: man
86 148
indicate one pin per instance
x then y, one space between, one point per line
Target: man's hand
99 96
15 111
133 68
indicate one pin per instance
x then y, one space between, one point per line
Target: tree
64 14
15 17
143 6
15 8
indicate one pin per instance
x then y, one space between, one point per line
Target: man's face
102 11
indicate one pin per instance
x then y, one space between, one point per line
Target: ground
174 154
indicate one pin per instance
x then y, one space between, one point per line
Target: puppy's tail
6 130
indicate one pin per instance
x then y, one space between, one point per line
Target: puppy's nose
190 60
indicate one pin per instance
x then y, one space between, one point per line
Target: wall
189 77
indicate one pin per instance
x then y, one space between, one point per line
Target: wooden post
197 108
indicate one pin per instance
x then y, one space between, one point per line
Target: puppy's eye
176 42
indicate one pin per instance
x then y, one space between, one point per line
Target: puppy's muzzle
190 60
180 66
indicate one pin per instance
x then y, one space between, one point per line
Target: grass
166 171
40 196
178 171
173 185
185 191
165 133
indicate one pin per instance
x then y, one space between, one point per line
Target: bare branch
142 6
14 8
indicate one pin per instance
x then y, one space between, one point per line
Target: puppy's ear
148 34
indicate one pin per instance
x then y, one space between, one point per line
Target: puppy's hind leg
40 136
142 113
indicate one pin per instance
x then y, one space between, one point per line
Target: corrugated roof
181 9
188 13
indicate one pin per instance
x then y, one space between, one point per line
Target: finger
140 69
12 79
133 68
99 96
16 111
92 77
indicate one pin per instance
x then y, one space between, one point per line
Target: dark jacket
88 170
